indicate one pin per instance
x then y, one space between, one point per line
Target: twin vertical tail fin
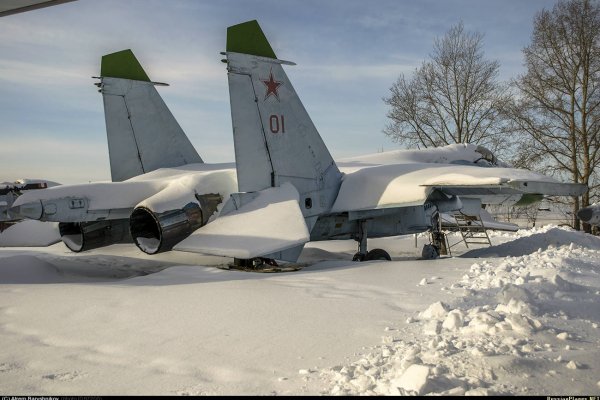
286 176
275 140
142 133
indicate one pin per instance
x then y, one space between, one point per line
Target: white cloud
38 74
66 161
349 72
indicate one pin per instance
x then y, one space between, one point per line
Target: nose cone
585 214
33 210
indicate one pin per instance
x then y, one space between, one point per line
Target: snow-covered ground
520 317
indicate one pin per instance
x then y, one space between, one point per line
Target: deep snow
522 318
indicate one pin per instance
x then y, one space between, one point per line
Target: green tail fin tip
248 38
122 64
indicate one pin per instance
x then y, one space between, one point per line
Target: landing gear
430 252
378 254
261 264
363 254
252 263
437 246
375 254
438 239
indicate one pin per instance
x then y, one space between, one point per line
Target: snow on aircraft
288 189
161 190
10 191
282 160
16 231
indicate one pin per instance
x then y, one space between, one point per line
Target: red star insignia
272 86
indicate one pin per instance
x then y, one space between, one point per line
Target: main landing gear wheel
375 254
378 254
363 254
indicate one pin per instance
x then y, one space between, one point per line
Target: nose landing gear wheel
430 252
358 257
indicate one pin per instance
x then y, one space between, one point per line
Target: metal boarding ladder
472 230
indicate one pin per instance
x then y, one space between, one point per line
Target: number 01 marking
277 123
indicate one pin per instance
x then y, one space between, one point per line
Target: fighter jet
282 162
289 189
161 190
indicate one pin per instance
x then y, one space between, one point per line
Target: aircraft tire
430 252
378 254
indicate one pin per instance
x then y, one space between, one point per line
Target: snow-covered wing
463 153
269 223
410 184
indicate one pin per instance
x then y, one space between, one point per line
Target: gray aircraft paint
275 140
142 133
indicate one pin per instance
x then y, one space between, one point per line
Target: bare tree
452 98
558 104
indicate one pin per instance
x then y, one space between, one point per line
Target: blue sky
348 54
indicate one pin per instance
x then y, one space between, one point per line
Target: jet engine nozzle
82 236
155 232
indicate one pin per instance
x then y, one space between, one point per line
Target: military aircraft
288 189
590 214
282 160
161 190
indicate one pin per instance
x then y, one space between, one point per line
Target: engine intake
157 232
82 236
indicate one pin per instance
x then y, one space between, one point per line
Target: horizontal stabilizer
270 222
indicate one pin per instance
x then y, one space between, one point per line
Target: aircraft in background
10 191
590 214
161 190
282 161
